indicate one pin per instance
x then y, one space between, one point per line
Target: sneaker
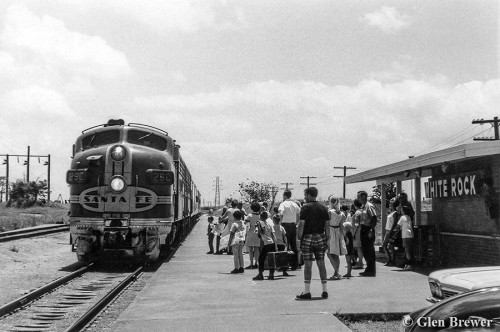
285 274
235 271
217 253
324 295
249 267
335 277
304 296
241 270
258 277
347 275
210 252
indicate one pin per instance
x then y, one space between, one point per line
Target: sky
266 91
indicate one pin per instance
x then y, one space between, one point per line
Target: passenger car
449 282
477 310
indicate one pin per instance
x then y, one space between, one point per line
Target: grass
13 218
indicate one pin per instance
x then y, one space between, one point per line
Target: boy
280 234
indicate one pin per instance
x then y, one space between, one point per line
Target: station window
148 139
96 139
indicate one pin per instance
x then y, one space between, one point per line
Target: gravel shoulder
27 264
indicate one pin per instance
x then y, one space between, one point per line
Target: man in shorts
312 232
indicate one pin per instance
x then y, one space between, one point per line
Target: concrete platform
195 292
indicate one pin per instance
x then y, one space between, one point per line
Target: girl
253 241
236 241
336 243
356 219
406 226
350 248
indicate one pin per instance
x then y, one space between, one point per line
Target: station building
463 183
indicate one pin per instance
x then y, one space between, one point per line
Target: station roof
421 165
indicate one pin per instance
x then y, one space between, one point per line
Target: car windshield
484 304
147 138
101 138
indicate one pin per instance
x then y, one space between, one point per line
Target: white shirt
390 221
406 227
289 210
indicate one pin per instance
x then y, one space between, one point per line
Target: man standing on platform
289 212
368 223
312 232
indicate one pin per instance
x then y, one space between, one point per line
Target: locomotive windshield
96 139
147 138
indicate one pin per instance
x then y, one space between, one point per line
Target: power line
449 139
495 124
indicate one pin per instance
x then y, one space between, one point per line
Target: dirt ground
27 264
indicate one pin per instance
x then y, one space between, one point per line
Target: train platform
196 292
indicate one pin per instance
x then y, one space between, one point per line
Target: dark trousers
217 243
291 238
368 245
263 255
211 241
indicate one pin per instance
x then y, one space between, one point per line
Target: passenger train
131 193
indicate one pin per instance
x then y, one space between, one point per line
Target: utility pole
308 177
27 164
286 185
345 174
217 192
495 124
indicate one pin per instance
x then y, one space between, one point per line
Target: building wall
466 217
458 250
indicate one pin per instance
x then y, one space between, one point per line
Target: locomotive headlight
117 184
118 153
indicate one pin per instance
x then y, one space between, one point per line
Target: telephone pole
286 185
217 192
345 174
495 124
27 164
308 177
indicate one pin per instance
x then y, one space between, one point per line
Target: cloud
46 41
387 19
173 15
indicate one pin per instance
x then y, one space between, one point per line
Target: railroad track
68 303
31 232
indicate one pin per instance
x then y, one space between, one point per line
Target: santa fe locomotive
131 192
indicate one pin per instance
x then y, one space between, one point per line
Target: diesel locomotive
131 194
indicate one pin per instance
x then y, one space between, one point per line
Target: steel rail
20 302
31 232
89 316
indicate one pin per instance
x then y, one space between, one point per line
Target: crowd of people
311 230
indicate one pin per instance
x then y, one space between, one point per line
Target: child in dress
280 234
253 241
236 241
349 239
356 218
336 244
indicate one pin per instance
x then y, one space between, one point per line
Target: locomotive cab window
96 139
148 139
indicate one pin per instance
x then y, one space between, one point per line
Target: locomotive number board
76 176
160 176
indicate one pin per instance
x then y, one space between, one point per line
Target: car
450 282
477 310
